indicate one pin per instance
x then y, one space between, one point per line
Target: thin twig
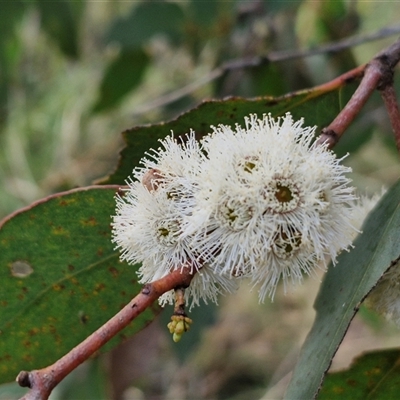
272 57
378 74
42 382
335 47
334 84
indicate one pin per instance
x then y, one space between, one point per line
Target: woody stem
42 382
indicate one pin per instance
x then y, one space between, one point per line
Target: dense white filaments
147 227
272 206
261 202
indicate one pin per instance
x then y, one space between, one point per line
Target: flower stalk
389 98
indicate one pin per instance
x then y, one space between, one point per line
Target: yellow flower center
234 214
167 232
283 193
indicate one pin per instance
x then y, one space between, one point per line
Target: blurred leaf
206 13
61 278
60 19
212 22
267 80
10 15
332 10
89 381
371 318
12 391
316 106
146 20
278 6
342 291
337 21
373 375
122 75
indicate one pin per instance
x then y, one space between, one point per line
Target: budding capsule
176 337
171 326
180 327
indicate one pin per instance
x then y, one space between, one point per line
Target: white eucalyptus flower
263 202
270 204
364 206
148 223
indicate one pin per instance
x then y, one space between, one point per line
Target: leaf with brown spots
60 278
373 375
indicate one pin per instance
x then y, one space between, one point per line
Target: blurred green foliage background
74 74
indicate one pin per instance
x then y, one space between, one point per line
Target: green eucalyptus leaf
10 16
279 6
60 20
267 79
372 376
123 75
317 107
146 20
61 278
344 288
88 381
203 16
12 391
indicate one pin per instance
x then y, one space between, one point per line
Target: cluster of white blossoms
261 202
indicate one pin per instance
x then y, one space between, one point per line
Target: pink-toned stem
338 82
378 74
389 98
332 133
42 382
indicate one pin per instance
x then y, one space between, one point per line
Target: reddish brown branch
332 133
338 82
378 75
42 382
389 98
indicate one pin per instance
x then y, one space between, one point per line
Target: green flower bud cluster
178 326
